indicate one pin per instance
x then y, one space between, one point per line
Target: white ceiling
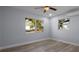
39 12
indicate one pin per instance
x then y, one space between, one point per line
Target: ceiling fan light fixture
46 8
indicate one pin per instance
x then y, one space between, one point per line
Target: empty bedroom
39 28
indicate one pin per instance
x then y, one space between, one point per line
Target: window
63 24
39 26
32 25
29 25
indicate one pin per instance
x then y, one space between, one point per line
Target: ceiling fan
46 8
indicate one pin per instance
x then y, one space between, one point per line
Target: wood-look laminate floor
44 46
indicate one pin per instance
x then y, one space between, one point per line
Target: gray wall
71 35
14 27
1 26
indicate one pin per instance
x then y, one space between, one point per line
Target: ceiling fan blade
52 8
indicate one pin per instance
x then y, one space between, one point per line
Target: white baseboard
20 44
72 43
